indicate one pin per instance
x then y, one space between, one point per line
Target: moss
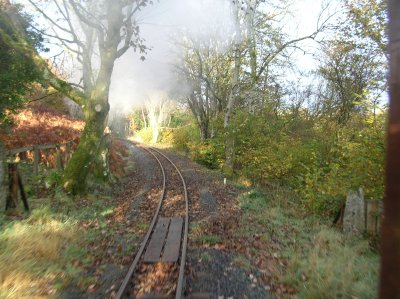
78 168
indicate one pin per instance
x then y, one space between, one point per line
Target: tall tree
354 78
17 71
97 33
205 71
157 106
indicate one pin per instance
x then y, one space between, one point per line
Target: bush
145 135
166 136
183 137
355 159
205 154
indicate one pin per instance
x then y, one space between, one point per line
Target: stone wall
354 213
361 216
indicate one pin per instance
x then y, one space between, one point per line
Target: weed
252 200
209 239
205 256
107 211
142 225
242 262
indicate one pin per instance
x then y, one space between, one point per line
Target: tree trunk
203 130
390 245
75 175
144 118
78 168
229 134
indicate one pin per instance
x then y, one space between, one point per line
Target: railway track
162 255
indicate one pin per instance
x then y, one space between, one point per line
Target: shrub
167 136
183 137
145 135
206 154
355 159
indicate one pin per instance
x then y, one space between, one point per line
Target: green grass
253 200
319 261
42 253
142 225
242 262
31 254
209 239
204 257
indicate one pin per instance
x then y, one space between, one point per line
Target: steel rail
132 268
128 277
179 287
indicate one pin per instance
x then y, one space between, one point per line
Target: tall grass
30 255
332 267
319 261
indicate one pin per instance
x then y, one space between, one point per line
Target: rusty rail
124 290
132 268
179 287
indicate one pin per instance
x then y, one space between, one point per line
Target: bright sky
134 80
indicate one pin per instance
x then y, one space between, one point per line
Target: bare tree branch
89 22
48 18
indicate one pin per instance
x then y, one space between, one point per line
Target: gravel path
213 274
215 271
212 270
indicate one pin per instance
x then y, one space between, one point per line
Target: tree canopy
17 70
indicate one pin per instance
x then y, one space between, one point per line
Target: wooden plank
156 243
173 243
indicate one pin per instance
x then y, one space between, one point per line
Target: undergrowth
31 254
49 250
318 261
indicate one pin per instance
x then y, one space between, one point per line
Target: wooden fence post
372 218
35 160
67 152
60 165
390 233
22 191
12 196
3 174
15 181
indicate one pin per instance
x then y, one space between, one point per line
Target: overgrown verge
318 158
304 256
65 241
32 257
43 252
298 255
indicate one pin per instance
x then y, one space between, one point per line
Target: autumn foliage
118 154
40 125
